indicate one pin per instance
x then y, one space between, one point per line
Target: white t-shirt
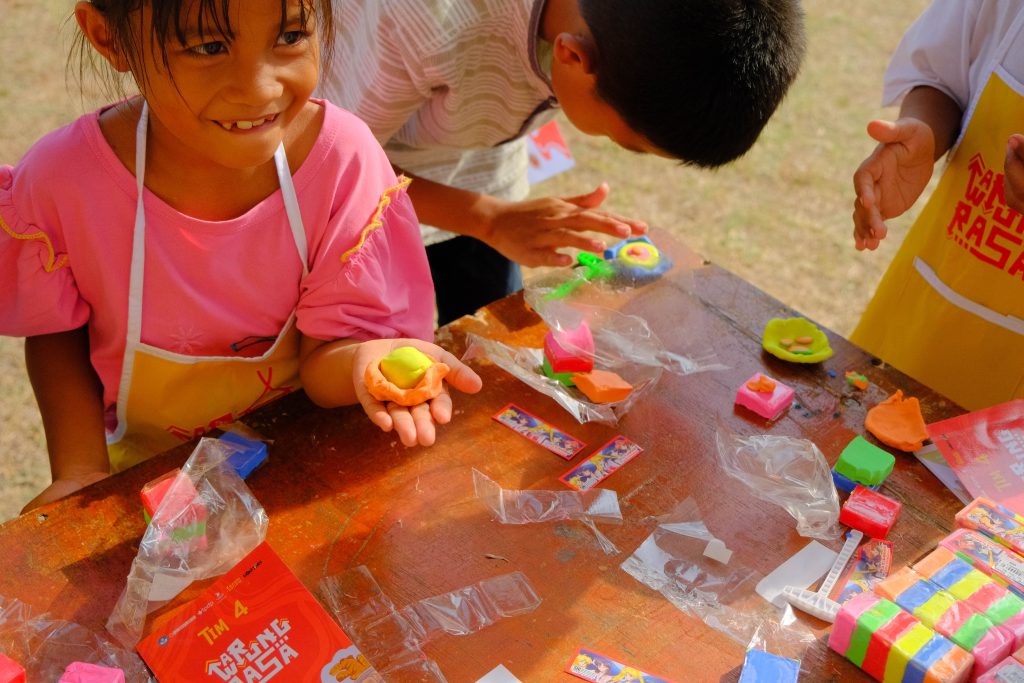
951 46
448 87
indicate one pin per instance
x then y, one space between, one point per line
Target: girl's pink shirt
68 211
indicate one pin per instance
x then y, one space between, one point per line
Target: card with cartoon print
591 666
538 431
601 464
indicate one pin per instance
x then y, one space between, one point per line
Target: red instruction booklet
986 450
256 623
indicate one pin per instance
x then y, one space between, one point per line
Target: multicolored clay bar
955 619
892 646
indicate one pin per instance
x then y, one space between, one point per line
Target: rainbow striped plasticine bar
948 571
955 619
995 521
1007 671
892 646
987 556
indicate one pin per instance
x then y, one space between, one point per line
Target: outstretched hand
531 232
415 424
892 178
1013 173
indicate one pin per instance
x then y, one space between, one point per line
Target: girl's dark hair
214 20
698 78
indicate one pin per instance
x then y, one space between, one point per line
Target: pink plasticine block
10 670
82 672
846 621
1011 668
570 350
765 404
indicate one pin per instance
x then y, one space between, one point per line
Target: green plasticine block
563 377
971 632
864 462
1008 606
869 622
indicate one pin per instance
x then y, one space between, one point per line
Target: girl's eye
214 47
292 37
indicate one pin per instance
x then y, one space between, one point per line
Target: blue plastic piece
847 485
251 455
764 667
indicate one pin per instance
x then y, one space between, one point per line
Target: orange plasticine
427 388
764 385
897 422
602 386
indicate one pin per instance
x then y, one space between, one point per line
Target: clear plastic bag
624 344
672 561
207 522
392 639
786 471
529 507
45 646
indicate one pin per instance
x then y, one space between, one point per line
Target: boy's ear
575 51
97 31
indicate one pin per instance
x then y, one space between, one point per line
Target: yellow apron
167 398
950 310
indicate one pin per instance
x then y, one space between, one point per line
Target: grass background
779 217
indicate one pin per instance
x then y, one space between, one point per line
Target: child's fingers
462 377
441 408
423 423
374 409
888 131
590 200
405 426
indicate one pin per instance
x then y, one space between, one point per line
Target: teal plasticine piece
864 462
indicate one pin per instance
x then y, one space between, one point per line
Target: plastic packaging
789 472
392 639
208 521
623 344
529 507
671 561
45 646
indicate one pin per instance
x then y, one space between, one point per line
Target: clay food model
406 376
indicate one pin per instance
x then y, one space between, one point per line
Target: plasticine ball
405 366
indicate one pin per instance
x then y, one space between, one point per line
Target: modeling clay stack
955 619
569 359
984 594
893 646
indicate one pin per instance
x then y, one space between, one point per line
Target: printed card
539 431
871 566
601 464
255 622
591 666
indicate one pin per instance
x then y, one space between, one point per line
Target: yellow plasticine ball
405 366
640 254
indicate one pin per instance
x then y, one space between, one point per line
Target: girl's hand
1013 173
530 232
889 181
414 425
64 487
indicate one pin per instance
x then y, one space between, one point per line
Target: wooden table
339 493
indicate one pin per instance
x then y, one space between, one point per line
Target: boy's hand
414 425
1013 170
63 487
889 181
530 232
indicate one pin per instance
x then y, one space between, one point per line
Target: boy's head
696 80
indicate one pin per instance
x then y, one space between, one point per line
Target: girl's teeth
245 125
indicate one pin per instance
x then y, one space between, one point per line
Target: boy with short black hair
450 87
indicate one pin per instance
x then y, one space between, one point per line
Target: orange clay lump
406 376
602 386
763 384
897 422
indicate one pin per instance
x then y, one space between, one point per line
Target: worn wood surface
340 493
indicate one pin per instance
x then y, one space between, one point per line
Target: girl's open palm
415 424
892 178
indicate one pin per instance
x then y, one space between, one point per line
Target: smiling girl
212 244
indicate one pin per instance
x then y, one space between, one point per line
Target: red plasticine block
870 512
83 672
570 350
10 670
881 642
